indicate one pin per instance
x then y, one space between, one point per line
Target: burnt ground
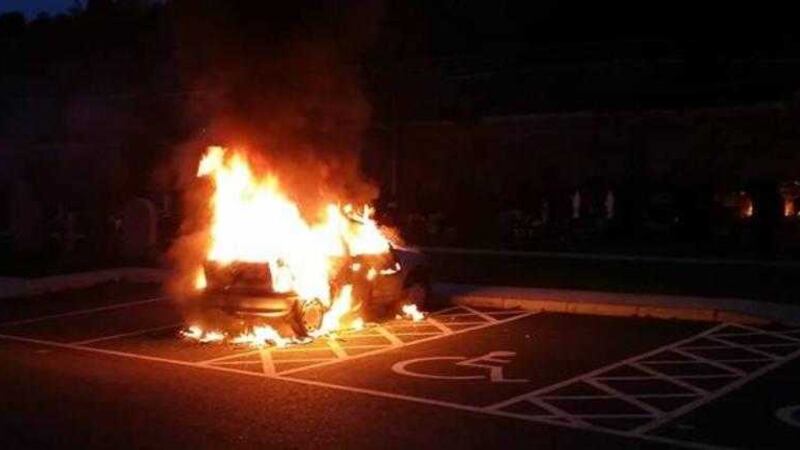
104 368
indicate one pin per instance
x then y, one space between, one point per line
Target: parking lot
462 378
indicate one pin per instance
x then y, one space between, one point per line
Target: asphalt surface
104 368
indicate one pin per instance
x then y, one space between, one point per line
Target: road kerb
19 287
580 306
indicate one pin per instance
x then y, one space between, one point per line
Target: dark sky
33 7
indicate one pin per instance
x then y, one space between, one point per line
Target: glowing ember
198 334
788 207
261 336
410 311
357 324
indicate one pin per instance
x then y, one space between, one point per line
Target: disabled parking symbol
488 367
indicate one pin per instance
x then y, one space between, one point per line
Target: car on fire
240 294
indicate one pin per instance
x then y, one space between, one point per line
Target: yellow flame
332 320
410 311
788 207
200 280
261 336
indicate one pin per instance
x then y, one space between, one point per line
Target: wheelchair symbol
491 364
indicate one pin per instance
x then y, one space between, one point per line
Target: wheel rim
312 315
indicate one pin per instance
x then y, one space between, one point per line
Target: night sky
33 7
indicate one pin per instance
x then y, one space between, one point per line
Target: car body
240 294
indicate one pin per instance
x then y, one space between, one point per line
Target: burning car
269 272
241 295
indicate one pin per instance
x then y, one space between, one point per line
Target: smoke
282 83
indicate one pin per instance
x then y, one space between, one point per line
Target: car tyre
416 293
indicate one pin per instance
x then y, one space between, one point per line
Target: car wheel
311 315
416 293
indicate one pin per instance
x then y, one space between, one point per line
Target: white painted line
393 340
710 362
681 361
371 392
432 333
459 323
296 349
665 395
613 416
481 410
104 351
266 362
732 379
767 332
445 311
440 326
261 362
348 347
572 397
81 312
408 344
293 360
336 349
670 362
747 348
128 334
558 412
713 396
705 347
486 317
788 344
670 379
648 377
603 369
630 399
241 363
501 312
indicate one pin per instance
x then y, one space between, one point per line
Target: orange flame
253 220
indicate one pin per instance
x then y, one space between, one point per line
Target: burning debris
270 276
411 312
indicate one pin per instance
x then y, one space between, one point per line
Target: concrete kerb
20 287
621 304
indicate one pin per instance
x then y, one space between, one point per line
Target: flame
333 319
261 336
253 220
196 333
788 207
200 280
410 311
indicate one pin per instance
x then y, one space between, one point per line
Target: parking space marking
81 312
559 418
266 363
650 378
471 325
394 340
385 337
486 317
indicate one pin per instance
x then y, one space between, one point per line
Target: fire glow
254 221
